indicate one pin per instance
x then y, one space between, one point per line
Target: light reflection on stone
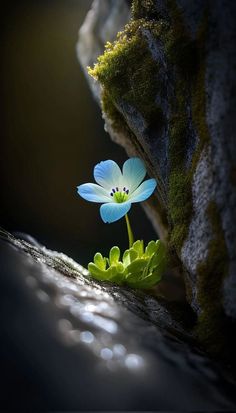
42 295
87 317
83 293
72 287
106 353
87 337
103 306
108 325
119 350
90 307
134 361
75 309
67 299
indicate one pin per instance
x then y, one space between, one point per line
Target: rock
167 95
103 21
69 343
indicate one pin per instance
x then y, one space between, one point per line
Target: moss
198 89
212 325
180 207
179 193
147 9
124 80
190 89
109 108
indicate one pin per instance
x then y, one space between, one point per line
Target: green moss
190 88
212 325
128 73
180 207
108 107
147 9
123 79
180 179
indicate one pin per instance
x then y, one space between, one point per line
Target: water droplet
87 337
67 300
90 307
119 350
108 325
106 353
87 317
134 361
75 309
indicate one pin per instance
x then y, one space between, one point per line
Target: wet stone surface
70 343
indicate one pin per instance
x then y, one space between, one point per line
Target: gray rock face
220 101
208 153
105 19
74 344
195 248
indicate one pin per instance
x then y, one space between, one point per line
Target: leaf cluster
139 268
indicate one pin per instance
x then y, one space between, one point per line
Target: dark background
52 133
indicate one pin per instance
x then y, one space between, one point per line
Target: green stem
130 233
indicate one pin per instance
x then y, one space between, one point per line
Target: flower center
120 196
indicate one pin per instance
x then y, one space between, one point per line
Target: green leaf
96 272
151 248
132 254
161 249
157 261
115 275
137 269
138 246
137 265
99 261
126 258
147 282
131 279
114 255
120 267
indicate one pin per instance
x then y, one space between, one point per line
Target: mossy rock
165 98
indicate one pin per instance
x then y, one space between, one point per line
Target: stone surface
69 343
196 86
105 19
195 248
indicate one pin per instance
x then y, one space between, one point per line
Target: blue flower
117 190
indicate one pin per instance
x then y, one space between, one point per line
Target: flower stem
130 233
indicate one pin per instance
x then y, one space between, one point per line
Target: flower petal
93 193
114 211
143 191
134 172
108 174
